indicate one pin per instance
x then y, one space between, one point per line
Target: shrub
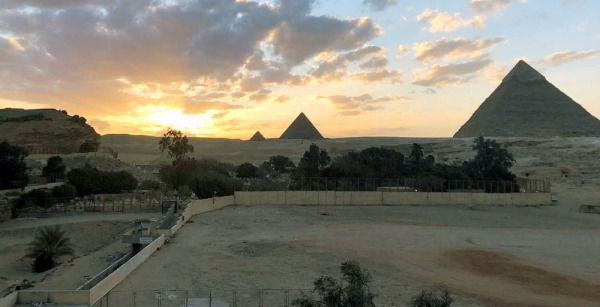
353 291
89 180
54 169
436 298
47 247
151 185
13 169
65 191
206 184
247 170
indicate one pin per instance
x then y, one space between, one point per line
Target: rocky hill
48 131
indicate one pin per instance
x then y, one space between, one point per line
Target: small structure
140 236
257 137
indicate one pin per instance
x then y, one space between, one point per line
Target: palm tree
49 244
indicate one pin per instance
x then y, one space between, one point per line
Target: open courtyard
487 255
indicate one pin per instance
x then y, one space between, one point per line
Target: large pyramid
302 128
257 137
525 104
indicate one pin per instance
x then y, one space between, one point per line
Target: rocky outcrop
48 131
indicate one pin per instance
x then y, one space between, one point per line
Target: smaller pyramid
257 137
303 129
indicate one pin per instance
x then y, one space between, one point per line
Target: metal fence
407 185
31 207
225 298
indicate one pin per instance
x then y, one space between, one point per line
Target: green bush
436 298
48 245
89 180
206 185
353 291
54 169
13 169
150 185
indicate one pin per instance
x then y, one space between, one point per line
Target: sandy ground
96 238
489 256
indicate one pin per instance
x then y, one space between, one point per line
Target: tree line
209 177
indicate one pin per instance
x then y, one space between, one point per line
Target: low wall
9 300
108 279
112 280
109 270
388 198
59 297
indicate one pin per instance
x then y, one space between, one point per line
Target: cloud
356 105
392 76
220 115
485 6
297 40
402 50
379 61
430 91
379 5
456 48
335 68
449 74
445 22
281 99
198 107
101 57
562 57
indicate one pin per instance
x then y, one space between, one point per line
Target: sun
194 124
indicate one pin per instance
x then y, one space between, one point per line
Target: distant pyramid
302 128
526 105
257 137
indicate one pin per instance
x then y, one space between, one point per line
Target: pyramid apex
257 137
523 72
302 128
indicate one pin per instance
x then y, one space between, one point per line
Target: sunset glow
365 68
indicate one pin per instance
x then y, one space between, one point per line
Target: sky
227 68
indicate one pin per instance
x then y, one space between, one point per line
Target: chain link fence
405 185
33 207
226 298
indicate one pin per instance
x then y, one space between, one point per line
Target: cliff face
47 131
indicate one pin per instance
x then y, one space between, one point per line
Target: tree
207 184
48 246
247 170
352 291
492 162
89 180
13 169
281 164
313 162
176 144
54 169
436 298
415 159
